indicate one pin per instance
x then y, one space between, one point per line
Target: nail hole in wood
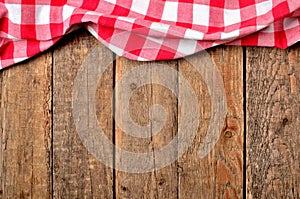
161 182
285 121
133 86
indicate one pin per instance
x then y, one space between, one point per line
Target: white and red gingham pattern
147 29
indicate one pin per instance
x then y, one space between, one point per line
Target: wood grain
25 152
42 155
220 173
156 183
77 173
273 139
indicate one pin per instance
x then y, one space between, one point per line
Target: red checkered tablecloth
147 29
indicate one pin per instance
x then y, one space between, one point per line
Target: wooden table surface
256 156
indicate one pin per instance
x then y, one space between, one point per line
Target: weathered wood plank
160 183
77 173
273 113
26 129
273 153
1 141
220 173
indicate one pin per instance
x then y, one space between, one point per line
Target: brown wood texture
25 151
43 155
220 173
273 139
157 183
76 172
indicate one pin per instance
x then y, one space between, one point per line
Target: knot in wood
228 134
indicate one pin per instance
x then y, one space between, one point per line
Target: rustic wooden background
257 155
